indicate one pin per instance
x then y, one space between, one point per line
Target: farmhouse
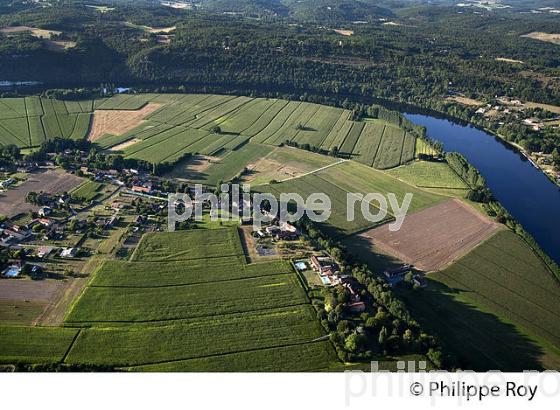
396 275
44 252
284 231
144 189
44 211
68 252
7 182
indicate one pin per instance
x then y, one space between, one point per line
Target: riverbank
522 188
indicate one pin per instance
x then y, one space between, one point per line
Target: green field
88 191
232 164
189 245
205 312
118 304
28 122
119 273
189 301
34 344
249 127
305 357
348 178
200 338
429 175
496 296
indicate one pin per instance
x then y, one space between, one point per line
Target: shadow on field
479 340
187 169
365 251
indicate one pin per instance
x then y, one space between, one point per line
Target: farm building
68 252
44 211
6 183
396 275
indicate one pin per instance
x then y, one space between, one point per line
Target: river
530 197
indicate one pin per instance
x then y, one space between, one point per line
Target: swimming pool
11 272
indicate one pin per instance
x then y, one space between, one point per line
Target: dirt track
434 237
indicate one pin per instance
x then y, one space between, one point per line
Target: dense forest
397 51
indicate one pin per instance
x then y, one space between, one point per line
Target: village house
7 183
396 275
44 211
44 252
284 231
355 304
68 252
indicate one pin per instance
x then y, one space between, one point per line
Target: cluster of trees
448 51
70 154
385 328
9 154
478 191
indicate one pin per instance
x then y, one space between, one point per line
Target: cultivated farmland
432 238
349 178
188 300
495 296
13 201
180 124
29 121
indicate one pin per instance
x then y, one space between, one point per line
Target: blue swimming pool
12 272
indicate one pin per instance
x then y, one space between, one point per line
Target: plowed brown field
434 237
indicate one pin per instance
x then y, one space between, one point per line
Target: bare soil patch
465 101
547 37
125 144
36 32
343 32
434 237
117 122
509 60
12 202
22 289
267 168
59 45
53 314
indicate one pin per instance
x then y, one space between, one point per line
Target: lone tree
216 130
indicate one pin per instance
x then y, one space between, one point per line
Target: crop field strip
118 304
302 357
367 147
507 276
196 338
115 273
183 123
197 313
496 295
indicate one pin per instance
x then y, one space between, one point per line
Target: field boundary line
88 323
224 354
260 116
188 284
315 171
288 118
71 345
